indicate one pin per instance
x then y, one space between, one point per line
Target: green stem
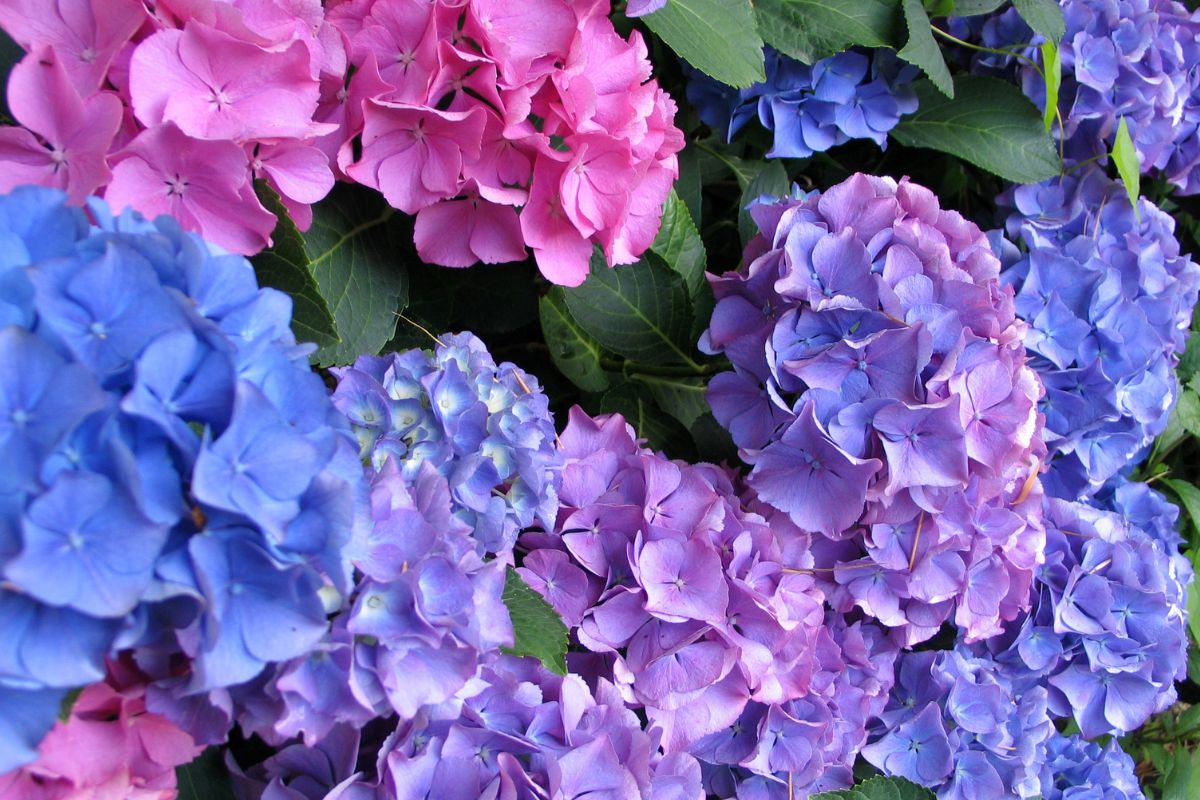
1011 53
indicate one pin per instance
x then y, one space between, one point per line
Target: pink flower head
298 171
213 86
414 155
109 747
75 133
459 233
401 36
87 34
205 185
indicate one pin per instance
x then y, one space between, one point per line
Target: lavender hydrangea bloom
485 427
1107 634
706 612
1134 60
852 95
957 723
882 395
148 390
1081 769
1108 300
523 732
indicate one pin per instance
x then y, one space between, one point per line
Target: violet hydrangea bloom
1134 60
857 94
485 427
1108 299
175 480
881 393
1081 769
707 613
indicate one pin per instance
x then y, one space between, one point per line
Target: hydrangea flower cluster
176 107
523 733
173 478
485 428
708 619
1121 59
880 389
852 95
109 746
1108 298
1106 635
958 724
468 110
1083 770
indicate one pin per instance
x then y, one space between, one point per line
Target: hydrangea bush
823 441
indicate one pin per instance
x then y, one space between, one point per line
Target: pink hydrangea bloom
109 747
539 105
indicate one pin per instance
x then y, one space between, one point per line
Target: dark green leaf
688 187
10 54
286 267
814 29
538 631
576 354
971 8
770 179
989 123
717 37
1052 65
1124 155
206 778
682 398
880 788
922 50
1178 780
939 8
660 430
1189 496
1193 599
680 246
640 311
1184 421
1044 16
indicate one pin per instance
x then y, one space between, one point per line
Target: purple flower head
1134 61
852 95
1108 301
881 393
486 428
149 393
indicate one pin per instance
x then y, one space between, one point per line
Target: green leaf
939 8
640 311
717 37
68 703
813 29
1189 496
1178 780
971 8
286 267
10 54
879 788
1052 65
1044 16
206 778
660 430
679 244
770 179
1193 600
576 354
1124 155
688 187
922 50
538 631
1184 419
682 398
989 123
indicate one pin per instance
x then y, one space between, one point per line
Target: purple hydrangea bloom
485 427
1107 634
640 8
1108 300
522 732
706 613
1121 59
1080 769
957 723
149 390
852 95
881 393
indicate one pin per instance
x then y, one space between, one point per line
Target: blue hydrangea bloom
485 427
1121 59
173 478
852 95
1082 770
1108 300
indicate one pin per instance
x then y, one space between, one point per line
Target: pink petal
497 236
298 171
442 233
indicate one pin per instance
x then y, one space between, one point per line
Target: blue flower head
161 435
